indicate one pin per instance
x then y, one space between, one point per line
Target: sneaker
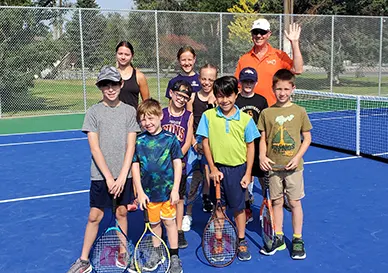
249 215
154 261
217 250
176 265
182 243
122 260
286 204
207 204
278 245
186 222
80 266
243 253
298 252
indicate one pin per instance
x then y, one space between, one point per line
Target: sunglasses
258 31
109 84
180 96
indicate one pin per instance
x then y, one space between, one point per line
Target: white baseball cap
261 24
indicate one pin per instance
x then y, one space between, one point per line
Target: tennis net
357 124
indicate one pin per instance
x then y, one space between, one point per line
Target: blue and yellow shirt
228 135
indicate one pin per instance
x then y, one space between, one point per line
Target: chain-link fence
49 57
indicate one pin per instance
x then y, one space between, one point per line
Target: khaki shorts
286 182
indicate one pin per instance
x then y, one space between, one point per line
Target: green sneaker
278 245
298 252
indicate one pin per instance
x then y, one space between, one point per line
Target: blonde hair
149 107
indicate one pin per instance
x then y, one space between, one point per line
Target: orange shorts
161 210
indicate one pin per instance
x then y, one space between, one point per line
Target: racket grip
114 205
266 179
218 191
146 217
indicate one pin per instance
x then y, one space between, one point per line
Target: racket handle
218 191
146 218
114 205
266 180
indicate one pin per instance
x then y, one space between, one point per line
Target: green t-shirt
283 127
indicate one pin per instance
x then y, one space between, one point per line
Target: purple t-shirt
178 125
193 80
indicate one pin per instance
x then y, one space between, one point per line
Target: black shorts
101 198
182 187
256 171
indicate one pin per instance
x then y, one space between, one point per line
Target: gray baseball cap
108 73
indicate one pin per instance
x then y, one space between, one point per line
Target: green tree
26 49
93 26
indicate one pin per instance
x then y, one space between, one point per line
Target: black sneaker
279 244
182 243
298 252
207 204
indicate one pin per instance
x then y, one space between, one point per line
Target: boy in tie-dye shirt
157 172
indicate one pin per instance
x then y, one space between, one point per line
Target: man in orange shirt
268 60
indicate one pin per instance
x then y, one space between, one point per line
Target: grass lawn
66 96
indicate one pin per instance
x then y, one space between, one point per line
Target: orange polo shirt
272 61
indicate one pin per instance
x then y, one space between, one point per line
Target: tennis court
44 208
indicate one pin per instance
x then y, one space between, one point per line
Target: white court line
40 132
42 196
42 141
332 160
386 153
85 191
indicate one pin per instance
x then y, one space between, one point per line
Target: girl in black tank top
130 92
199 107
135 82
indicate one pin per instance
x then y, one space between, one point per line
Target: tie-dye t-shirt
155 154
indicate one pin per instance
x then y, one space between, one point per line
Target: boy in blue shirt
228 136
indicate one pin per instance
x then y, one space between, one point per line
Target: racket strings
219 242
111 253
151 255
267 228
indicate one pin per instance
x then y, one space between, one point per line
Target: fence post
358 125
82 58
332 55
381 52
157 52
221 48
280 32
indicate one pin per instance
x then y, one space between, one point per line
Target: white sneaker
186 222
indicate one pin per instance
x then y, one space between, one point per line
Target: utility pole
288 6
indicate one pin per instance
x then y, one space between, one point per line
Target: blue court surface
44 205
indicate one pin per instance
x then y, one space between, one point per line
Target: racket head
112 251
151 253
219 239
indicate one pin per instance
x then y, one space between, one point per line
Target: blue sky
115 4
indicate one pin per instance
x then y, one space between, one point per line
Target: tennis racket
266 217
219 240
151 252
112 250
